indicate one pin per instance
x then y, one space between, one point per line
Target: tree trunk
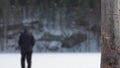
5 17
110 34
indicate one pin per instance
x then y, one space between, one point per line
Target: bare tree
110 34
5 11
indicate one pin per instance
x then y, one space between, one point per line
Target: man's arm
33 41
20 40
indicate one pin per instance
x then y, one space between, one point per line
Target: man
26 43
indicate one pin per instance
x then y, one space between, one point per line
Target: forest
57 25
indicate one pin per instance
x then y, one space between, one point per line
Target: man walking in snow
26 43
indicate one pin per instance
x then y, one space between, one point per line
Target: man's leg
23 60
29 57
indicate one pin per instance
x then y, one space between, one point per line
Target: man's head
25 29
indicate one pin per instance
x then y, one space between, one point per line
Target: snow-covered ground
53 60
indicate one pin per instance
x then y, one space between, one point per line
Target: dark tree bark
110 34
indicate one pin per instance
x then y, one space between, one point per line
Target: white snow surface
53 60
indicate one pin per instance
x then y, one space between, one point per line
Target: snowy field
54 60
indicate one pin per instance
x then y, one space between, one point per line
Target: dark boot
29 65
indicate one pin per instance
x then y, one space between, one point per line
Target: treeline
60 3
62 15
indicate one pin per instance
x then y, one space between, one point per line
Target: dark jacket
26 42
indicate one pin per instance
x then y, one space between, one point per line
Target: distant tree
5 11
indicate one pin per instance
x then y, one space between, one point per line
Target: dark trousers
26 56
